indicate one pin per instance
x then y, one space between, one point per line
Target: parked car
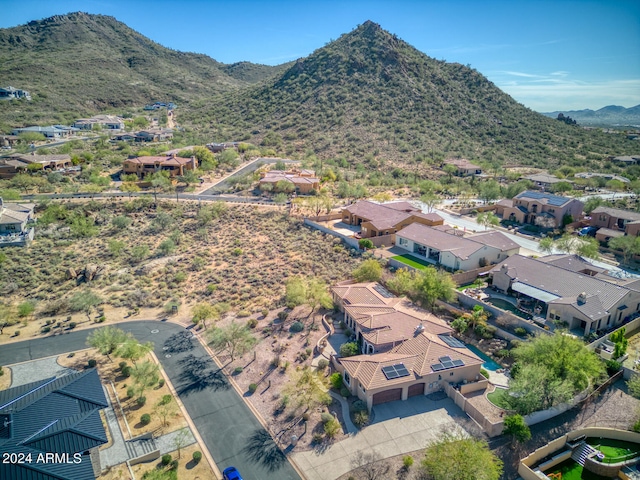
231 473
588 231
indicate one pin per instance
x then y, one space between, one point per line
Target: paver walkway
399 427
35 370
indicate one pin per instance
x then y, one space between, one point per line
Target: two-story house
527 206
615 222
143 166
16 223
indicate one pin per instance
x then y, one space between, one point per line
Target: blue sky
547 54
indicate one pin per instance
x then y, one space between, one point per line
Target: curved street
231 432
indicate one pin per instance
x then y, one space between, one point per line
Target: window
362 388
451 374
347 378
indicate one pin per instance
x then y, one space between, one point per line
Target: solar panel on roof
446 358
447 365
436 367
382 291
395 371
458 363
554 200
452 341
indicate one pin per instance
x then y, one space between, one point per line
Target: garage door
387 396
417 389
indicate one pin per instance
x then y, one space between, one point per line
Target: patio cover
534 292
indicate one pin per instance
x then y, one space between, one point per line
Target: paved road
229 429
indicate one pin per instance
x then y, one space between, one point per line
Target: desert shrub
145 419
121 365
361 418
92 362
332 428
283 315
484 373
174 465
45 329
252 323
613 367
318 437
264 312
161 383
407 462
165 399
140 401
520 331
296 327
166 459
126 371
237 370
359 406
336 380
253 387
197 456
131 392
348 349
72 325
323 363
244 313
344 391
326 417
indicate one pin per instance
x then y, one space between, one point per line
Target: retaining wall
491 429
352 242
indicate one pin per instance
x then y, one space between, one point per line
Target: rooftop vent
420 328
582 298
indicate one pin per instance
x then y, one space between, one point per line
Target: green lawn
572 471
613 448
412 261
500 398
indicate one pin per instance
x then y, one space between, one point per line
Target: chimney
582 298
173 155
194 163
504 267
419 328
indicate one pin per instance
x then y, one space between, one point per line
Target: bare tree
370 465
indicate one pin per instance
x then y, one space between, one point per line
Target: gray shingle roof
617 213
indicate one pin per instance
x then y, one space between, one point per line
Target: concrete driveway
398 428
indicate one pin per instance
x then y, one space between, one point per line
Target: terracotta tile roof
364 294
388 215
617 213
461 163
164 160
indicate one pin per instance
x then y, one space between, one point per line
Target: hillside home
220 147
58 416
383 219
564 289
455 252
621 222
605 176
8 140
626 159
53 131
143 166
405 350
106 122
16 223
10 93
527 206
17 162
154 135
464 166
543 181
304 181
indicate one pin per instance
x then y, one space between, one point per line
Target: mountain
609 116
371 97
81 63
367 99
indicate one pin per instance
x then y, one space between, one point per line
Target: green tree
210 212
159 182
432 285
368 271
450 170
295 292
280 198
201 312
284 186
129 187
162 221
189 177
430 201
633 384
308 388
84 301
546 245
106 340
403 282
233 338
82 226
488 219
132 349
31 137
562 187
165 408
139 252
620 341
167 247
629 246
365 243
145 375
583 246
26 309
489 191
121 222
116 247
456 457
515 426
317 295
348 349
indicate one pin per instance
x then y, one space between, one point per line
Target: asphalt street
229 429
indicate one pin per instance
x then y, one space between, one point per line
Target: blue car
231 473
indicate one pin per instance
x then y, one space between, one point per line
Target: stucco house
527 206
143 166
455 252
107 122
543 180
570 290
616 220
378 219
17 162
16 221
304 181
10 93
464 166
406 351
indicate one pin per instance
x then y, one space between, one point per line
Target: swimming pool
488 364
508 306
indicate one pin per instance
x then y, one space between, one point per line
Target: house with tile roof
615 221
143 166
377 219
304 181
405 351
16 223
543 180
106 122
59 417
455 252
464 166
560 289
529 205
15 163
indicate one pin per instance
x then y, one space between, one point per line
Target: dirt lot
270 365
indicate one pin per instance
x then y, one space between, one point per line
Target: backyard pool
508 306
488 364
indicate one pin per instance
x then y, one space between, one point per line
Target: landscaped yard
412 261
613 449
571 470
500 398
